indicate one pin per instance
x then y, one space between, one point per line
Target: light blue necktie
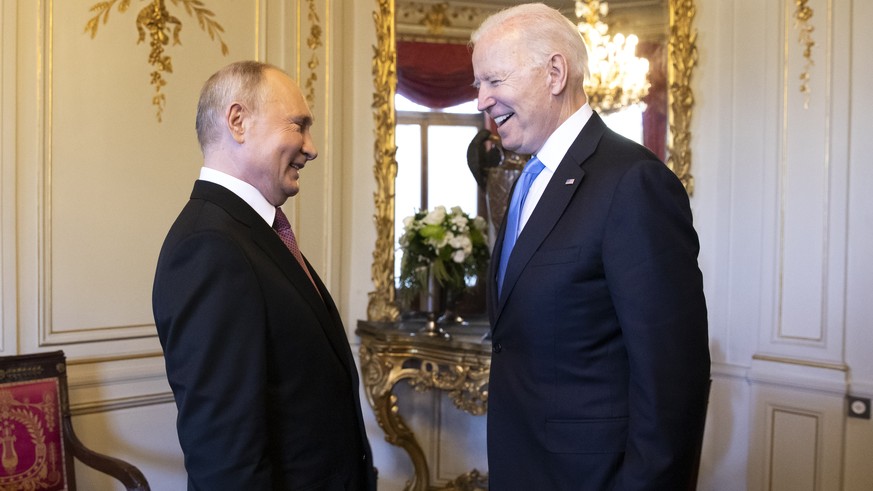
513 217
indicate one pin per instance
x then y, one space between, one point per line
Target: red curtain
440 75
655 115
435 75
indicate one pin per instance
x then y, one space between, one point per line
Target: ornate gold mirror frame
681 58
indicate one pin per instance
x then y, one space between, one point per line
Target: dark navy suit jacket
259 364
600 363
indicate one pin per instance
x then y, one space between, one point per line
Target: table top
472 335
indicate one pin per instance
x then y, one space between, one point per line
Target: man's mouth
297 166
503 119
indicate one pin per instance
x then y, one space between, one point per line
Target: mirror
444 19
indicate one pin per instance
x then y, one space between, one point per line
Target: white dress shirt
244 190
550 155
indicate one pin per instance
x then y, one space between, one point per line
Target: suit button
497 348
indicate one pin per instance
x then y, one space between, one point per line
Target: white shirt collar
559 142
551 155
244 190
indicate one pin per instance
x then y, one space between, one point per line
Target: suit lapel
321 305
557 196
267 239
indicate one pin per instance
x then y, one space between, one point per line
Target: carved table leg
380 376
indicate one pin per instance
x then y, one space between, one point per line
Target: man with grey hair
600 358
255 350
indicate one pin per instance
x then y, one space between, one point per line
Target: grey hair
242 81
545 31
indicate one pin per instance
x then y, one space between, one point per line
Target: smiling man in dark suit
256 353
600 362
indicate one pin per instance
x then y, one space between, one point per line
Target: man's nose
483 99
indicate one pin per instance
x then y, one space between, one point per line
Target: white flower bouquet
450 245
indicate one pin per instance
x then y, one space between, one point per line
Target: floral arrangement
452 245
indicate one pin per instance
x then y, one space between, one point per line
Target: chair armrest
132 478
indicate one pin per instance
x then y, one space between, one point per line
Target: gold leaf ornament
802 17
313 42
156 22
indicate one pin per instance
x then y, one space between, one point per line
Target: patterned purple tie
283 227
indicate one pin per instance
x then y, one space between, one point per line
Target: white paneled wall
783 219
857 471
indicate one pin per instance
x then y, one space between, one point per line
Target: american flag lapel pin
569 182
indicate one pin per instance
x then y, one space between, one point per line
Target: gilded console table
457 363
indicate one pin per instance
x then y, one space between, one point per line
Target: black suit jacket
259 364
600 361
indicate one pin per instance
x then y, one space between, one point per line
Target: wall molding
92 407
829 379
117 382
863 388
729 371
795 374
796 435
842 367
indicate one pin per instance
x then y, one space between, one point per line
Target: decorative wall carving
438 20
682 56
802 18
313 41
381 304
161 27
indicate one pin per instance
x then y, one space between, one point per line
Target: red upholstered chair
37 443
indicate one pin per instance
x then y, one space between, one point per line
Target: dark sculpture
495 170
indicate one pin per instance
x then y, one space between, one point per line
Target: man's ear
557 73
235 119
